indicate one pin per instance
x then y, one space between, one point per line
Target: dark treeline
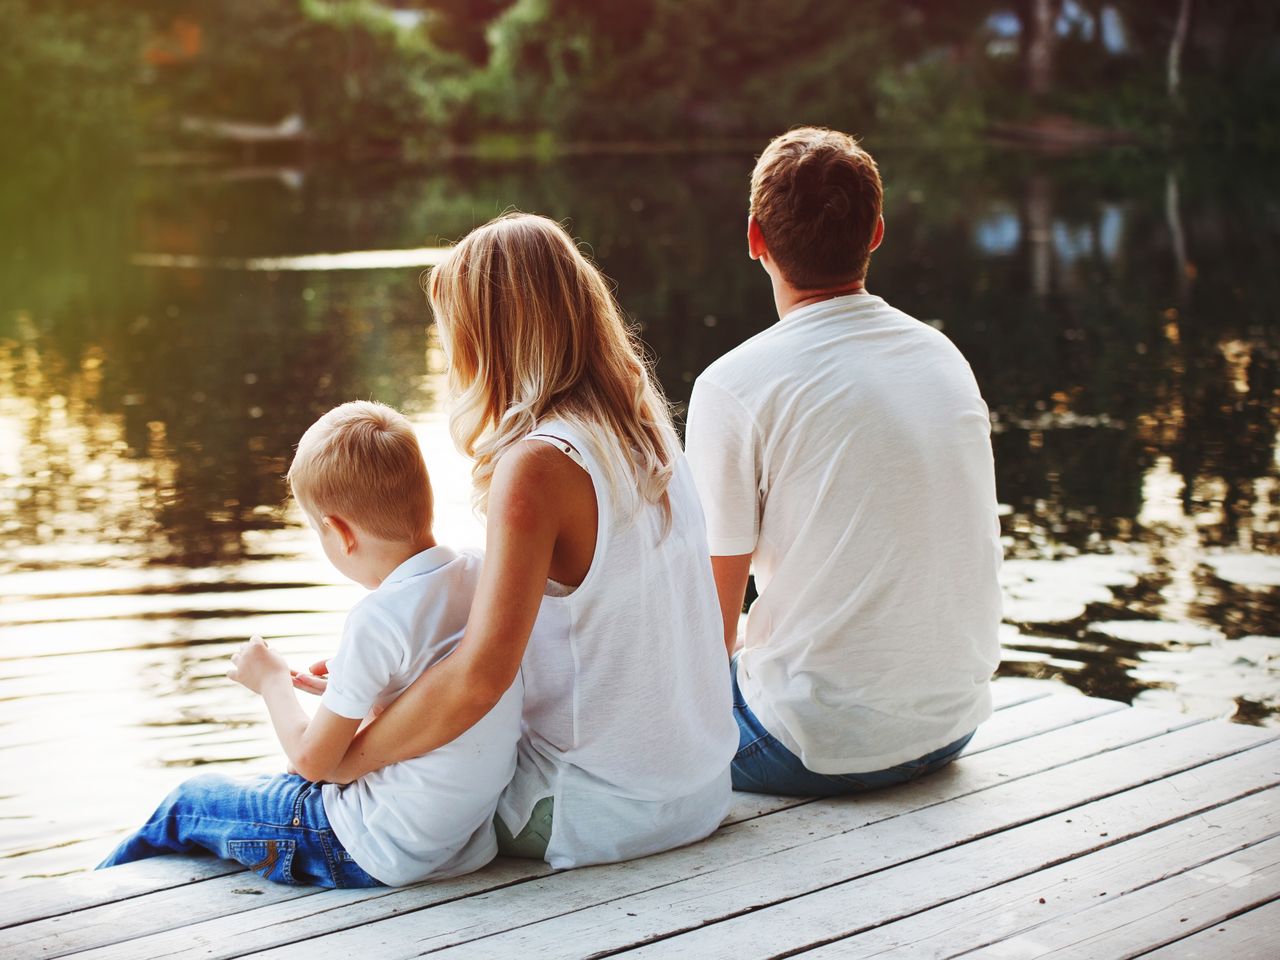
411 75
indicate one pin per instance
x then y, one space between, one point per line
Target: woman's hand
316 681
255 663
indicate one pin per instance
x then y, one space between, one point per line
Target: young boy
360 479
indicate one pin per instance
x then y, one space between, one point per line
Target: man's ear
346 533
756 246
878 236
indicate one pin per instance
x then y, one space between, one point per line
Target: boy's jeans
274 825
764 765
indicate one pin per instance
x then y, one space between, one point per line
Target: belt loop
299 801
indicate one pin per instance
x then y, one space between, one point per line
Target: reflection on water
165 339
350 260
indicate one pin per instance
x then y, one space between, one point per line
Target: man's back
847 448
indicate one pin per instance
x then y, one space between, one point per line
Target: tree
1039 19
1175 47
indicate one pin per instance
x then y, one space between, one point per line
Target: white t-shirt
628 711
431 816
847 449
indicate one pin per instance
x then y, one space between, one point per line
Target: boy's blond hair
361 462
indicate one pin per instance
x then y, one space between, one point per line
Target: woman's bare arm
525 515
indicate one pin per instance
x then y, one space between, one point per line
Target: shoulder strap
561 444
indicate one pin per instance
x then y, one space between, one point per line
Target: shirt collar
860 299
433 558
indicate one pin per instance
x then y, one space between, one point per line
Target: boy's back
433 815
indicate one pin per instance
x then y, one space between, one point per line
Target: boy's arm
314 746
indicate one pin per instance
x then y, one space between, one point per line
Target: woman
596 581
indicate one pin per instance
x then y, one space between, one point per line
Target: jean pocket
756 766
758 745
348 873
270 859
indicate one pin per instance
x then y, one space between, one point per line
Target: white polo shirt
847 449
431 816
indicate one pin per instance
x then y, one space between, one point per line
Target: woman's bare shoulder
530 460
534 474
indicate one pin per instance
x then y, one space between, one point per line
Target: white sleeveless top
628 718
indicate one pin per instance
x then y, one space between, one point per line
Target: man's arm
314 746
731 585
722 446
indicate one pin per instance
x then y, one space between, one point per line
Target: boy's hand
317 681
254 663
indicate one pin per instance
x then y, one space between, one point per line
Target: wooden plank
685 909
35 900
167 909
1020 720
1032 718
282 923
1249 936
242 933
748 806
1014 721
967 896
585 912
1155 915
1011 691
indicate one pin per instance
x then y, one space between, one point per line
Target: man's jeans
764 765
274 825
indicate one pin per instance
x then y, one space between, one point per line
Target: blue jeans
764 765
274 825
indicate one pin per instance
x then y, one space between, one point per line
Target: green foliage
1232 79
508 72
460 26
658 69
932 103
67 80
345 66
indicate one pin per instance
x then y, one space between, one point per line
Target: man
845 454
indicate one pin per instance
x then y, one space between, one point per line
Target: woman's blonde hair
532 332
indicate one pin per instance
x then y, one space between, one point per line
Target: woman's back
629 726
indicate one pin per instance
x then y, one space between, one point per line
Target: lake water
167 334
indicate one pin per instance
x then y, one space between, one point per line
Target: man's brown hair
817 197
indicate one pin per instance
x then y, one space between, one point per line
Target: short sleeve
722 447
371 654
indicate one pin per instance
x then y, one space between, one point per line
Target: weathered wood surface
1247 936
1072 827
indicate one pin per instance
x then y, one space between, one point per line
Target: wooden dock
1072 827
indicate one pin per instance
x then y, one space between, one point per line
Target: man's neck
787 298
